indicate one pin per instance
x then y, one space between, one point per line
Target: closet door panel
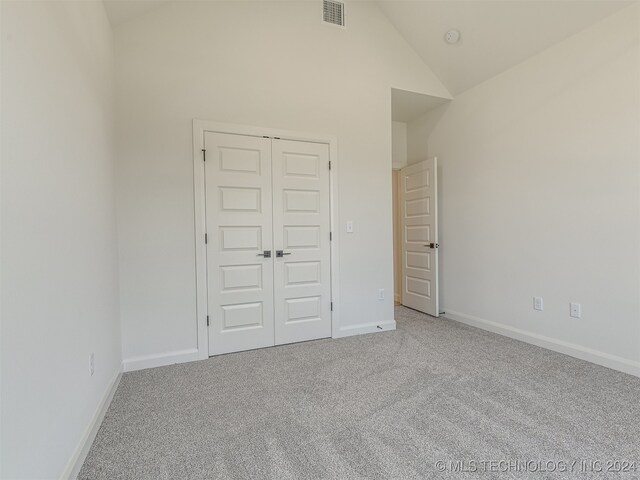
301 221
239 232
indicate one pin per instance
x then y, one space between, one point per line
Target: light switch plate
575 310
538 303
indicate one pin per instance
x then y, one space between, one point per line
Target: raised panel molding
419 260
240 199
241 277
239 160
417 233
303 309
302 273
417 180
419 286
302 237
301 201
420 206
301 165
234 238
242 316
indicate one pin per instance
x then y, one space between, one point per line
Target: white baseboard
82 449
365 328
578 351
160 360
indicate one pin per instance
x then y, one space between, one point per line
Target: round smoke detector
452 37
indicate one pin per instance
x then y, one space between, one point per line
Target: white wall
271 64
418 131
539 196
59 260
398 144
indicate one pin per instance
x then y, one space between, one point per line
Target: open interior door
419 223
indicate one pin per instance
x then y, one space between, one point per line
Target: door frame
199 196
396 222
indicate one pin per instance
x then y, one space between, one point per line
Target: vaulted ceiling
495 34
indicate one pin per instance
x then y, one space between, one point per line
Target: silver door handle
282 253
265 254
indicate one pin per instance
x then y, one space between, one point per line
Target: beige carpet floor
423 401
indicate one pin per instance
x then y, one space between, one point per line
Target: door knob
282 253
432 245
265 254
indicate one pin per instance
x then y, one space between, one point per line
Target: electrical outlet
381 294
349 226
575 310
92 363
538 304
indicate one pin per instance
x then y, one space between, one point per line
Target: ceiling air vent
333 12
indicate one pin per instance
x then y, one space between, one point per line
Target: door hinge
204 155
329 164
206 238
330 236
207 320
332 306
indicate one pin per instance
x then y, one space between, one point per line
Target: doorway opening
414 177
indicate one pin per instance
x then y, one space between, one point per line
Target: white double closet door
268 252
